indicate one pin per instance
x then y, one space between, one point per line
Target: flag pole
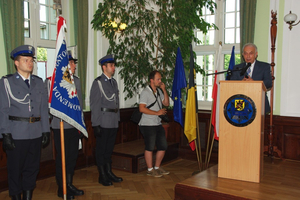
209 144
62 139
198 147
198 137
197 153
214 109
63 160
211 147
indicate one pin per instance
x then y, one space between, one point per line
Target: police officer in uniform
72 136
24 122
104 102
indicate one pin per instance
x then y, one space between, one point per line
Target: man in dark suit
24 122
257 71
72 136
104 102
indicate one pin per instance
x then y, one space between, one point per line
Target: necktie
248 72
27 82
110 81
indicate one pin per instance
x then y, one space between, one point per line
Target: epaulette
98 78
6 76
75 76
35 76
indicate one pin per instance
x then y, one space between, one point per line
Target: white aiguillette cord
112 98
9 93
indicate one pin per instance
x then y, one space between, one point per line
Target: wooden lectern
241 144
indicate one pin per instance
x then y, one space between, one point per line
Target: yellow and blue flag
191 110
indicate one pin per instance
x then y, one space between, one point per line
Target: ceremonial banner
63 99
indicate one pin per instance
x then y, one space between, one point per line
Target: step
129 156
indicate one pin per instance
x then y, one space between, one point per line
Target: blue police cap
107 59
24 50
71 57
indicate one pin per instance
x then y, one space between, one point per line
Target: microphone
243 71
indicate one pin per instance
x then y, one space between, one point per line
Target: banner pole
198 159
63 160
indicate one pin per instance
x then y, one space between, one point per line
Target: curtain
13 28
247 19
81 33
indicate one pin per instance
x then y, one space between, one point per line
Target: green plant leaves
155 28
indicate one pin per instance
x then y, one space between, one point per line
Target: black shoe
111 176
72 190
27 195
60 194
103 178
16 197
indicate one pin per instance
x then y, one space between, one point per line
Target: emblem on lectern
240 110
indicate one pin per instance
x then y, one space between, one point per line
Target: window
40 32
232 22
227 19
47 20
42 27
26 20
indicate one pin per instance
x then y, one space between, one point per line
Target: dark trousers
23 165
105 143
71 137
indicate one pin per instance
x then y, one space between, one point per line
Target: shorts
154 135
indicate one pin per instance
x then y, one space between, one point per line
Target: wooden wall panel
292 146
128 131
90 142
287 139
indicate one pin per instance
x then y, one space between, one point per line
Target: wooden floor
280 181
137 186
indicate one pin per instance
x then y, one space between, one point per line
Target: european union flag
231 62
179 82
